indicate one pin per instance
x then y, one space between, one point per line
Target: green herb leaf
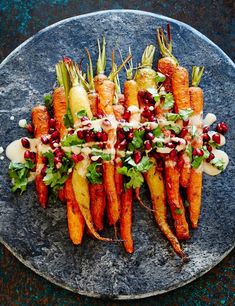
126 128
194 131
197 160
174 128
19 173
157 132
186 203
178 211
136 178
71 140
138 140
172 116
81 114
100 154
218 163
93 176
168 102
185 113
160 77
206 153
189 151
67 122
48 101
143 166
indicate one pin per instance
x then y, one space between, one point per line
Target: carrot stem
101 62
147 57
165 46
197 75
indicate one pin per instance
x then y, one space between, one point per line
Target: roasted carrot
126 221
59 109
40 119
194 190
76 221
98 204
158 196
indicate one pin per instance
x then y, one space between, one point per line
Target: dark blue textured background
20 20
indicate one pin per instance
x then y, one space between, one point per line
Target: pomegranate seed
147 145
137 156
33 155
27 154
126 115
159 169
198 152
54 144
80 134
30 128
209 148
148 129
206 129
44 160
149 96
185 122
52 122
59 153
104 136
51 130
122 144
183 132
44 139
33 169
77 157
88 137
84 118
98 135
71 132
25 142
170 145
206 137
106 122
101 145
55 135
173 154
130 135
149 136
57 159
43 171
146 101
121 134
141 128
216 138
180 163
222 128
211 156
141 93
152 118
146 113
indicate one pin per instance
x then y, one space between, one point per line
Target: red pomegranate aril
98 135
88 137
183 132
137 156
27 154
54 144
209 148
58 152
206 137
51 130
173 154
152 118
222 128
149 96
80 134
170 145
120 134
141 93
216 138
84 118
106 122
146 113
77 157
126 115
147 129
149 136
130 135
25 142
71 132
180 163
43 171
185 122
122 144
211 156
44 139
55 135
198 152
206 129
57 159
146 101
30 128
101 145
33 169
52 122
44 160
147 145
104 136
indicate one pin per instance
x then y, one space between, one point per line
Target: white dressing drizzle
209 169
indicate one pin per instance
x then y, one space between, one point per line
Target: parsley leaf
160 77
155 95
48 101
168 102
71 140
185 113
174 128
206 153
197 160
189 151
138 141
136 178
218 163
81 114
93 176
157 132
100 154
178 211
172 117
19 173
143 166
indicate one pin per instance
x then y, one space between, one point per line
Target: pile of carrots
99 97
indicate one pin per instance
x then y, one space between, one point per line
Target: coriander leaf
71 140
178 211
218 163
126 128
189 151
143 166
194 131
138 141
206 153
168 102
93 176
173 128
197 160
160 77
48 101
136 178
50 157
185 113
186 203
157 132
81 114
153 91
100 154
172 116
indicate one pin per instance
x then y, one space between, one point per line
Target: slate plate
39 237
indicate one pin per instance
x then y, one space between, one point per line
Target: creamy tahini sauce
212 170
15 151
209 119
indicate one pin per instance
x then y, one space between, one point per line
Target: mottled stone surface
39 237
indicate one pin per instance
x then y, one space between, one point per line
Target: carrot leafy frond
165 45
147 57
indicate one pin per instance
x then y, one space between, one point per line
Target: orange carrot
194 190
126 221
40 118
98 204
59 109
76 221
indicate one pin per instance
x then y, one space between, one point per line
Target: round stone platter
39 237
